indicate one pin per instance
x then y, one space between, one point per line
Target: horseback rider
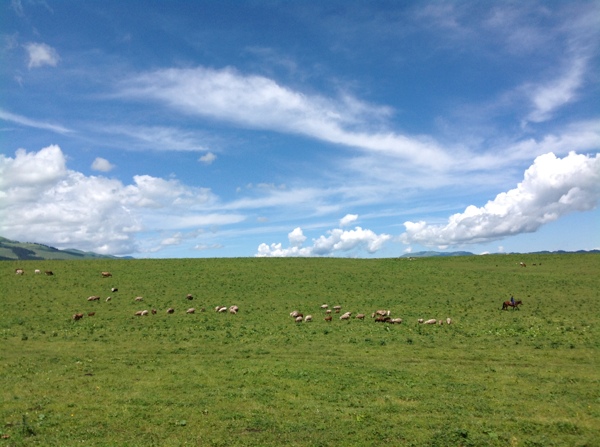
512 301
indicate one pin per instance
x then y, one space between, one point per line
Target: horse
508 304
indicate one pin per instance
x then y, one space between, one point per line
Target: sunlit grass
527 377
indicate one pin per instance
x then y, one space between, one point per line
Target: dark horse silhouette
508 304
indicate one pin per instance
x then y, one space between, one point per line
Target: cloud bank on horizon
162 139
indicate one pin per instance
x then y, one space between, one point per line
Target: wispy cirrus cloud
24 121
262 103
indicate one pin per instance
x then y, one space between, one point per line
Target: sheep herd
142 313
379 316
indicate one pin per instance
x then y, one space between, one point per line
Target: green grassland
529 377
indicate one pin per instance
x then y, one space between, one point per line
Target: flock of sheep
142 313
380 316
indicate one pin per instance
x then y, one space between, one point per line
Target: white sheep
191 310
308 318
448 320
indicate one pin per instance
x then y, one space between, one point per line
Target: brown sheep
328 318
360 316
91 314
49 272
189 296
77 317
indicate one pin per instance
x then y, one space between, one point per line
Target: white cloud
23 121
335 242
207 158
102 165
261 103
42 200
552 187
41 54
348 219
547 98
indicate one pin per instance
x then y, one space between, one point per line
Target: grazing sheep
441 322
49 272
106 274
431 321
324 306
191 310
145 312
328 318
93 298
308 318
448 320
138 313
420 320
328 311
360 316
299 319
345 317
382 313
170 310
395 321
91 314
114 289
189 296
139 298
337 309
233 309
108 298
77 317
222 309
37 272
19 271
294 314
153 311
382 319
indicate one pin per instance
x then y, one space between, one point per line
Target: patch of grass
493 377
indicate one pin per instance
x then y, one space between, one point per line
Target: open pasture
528 377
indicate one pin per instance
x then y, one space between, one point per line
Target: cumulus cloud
41 54
348 219
551 188
207 158
102 165
336 241
42 200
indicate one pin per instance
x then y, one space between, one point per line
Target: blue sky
300 128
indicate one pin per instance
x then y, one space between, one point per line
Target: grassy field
529 377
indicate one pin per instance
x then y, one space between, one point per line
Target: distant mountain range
425 254
24 251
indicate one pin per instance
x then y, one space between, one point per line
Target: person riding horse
512 301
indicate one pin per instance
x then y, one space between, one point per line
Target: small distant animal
189 296
91 314
106 274
114 289
77 317
49 272
93 298
170 310
191 310
19 271
36 271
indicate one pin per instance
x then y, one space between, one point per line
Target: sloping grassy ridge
497 378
